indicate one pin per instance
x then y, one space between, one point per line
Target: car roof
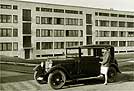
92 46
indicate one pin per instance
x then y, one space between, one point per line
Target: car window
72 53
86 52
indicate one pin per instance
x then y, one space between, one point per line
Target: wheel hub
40 78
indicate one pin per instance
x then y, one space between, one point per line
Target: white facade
37 30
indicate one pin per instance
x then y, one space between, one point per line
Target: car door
89 66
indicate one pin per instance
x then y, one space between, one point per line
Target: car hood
62 60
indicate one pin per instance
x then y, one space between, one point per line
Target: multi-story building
37 30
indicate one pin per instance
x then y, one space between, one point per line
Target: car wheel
112 73
38 77
56 79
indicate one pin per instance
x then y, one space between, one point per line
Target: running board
88 78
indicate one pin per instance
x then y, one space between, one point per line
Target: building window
59 21
46 33
114 15
104 42
96 13
37 20
15 19
130 43
81 22
130 16
71 33
5 32
47 45
46 9
37 45
26 15
130 24
114 23
122 34
15 7
89 18
130 34
96 33
2 6
37 32
89 39
71 21
103 14
58 33
15 32
114 33
114 43
89 29
15 46
26 28
37 55
46 20
81 33
59 10
71 11
121 24
80 12
59 45
5 46
37 8
121 15
81 43
104 34
96 23
104 23
69 44
122 43
5 18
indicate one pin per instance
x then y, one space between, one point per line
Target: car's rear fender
116 67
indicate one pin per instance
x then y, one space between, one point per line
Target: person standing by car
105 64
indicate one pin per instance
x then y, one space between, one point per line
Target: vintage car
79 62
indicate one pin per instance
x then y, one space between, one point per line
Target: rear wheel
57 79
112 73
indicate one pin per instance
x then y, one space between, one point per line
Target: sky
125 5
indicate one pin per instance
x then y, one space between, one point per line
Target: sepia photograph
61 45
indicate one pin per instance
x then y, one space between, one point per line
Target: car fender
115 66
59 67
37 68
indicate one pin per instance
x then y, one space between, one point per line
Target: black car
79 62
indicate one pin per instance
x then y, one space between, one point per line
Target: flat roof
71 6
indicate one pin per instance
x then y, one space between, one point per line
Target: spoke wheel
38 77
56 79
112 73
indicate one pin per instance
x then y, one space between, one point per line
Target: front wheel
57 79
112 73
38 77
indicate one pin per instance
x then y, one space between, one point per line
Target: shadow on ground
16 78
125 77
121 78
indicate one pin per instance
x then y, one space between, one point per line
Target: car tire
56 79
112 73
36 75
